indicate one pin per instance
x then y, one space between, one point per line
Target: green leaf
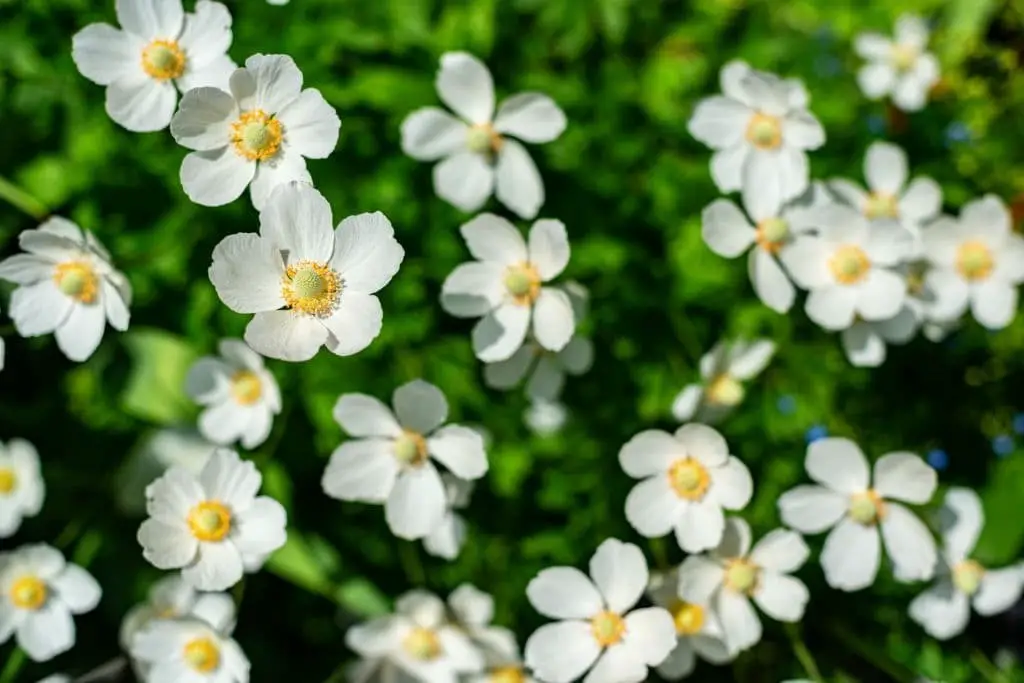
1003 536
156 386
363 598
297 563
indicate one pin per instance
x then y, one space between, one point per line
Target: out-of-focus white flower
391 460
504 286
901 67
208 526
698 633
278 2
596 631
977 261
472 611
447 539
189 649
865 341
944 609
545 418
67 286
22 490
57 678
39 593
760 130
503 663
159 50
240 394
859 513
310 285
261 132
688 478
154 453
479 153
733 574
723 370
547 369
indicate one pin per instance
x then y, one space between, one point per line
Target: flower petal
561 652
549 248
311 125
719 122
838 464
165 546
942 611
727 167
501 332
620 572
287 166
47 632
518 184
363 470
204 118
141 104
994 304
553 319
362 415
149 19
260 528
909 544
473 289
77 589
530 116
508 373
285 335
851 555
782 597
564 593
961 519
885 168
465 180
416 504
218 567
460 449
731 486
650 452
216 177
703 444
780 550
247 274
699 525
39 308
355 323
650 635
103 54
740 623
420 406
366 253
811 509
652 507
906 477
465 85
699 578
268 82
431 133
81 333
725 229
1000 590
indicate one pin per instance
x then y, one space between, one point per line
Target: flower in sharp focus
596 631
67 286
544 417
900 67
391 460
688 478
760 130
190 649
977 261
722 370
240 395
39 593
208 526
480 155
504 286
698 633
865 341
448 538
945 608
309 285
261 132
733 574
863 517
159 50
21 485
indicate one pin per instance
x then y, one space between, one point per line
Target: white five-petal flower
473 611
698 633
859 514
21 485
723 370
901 68
448 538
196 648
480 155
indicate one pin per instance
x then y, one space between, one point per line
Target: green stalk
803 654
22 200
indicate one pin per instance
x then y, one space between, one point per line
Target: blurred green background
630 184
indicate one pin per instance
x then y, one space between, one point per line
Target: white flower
21 485
391 460
698 633
418 640
944 609
277 2
261 132
860 513
722 370
688 478
848 268
155 452
240 394
502 659
189 649
759 129
447 539
504 286
39 593
57 678
67 286
161 49
545 418
547 369
479 152
309 285
473 611
976 261
596 631
209 525
734 573
864 341
900 68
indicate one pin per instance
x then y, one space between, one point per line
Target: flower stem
803 654
987 669
411 564
879 659
22 200
13 665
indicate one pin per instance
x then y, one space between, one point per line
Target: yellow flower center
771 234
256 135
163 60
483 139
689 618
507 674
202 654
741 575
974 260
764 131
868 508
608 628
77 280
246 387
209 521
8 480
967 576
903 57
410 448
522 283
725 390
849 264
422 643
688 478
311 288
28 592
881 205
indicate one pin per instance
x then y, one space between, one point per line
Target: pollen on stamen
764 131
688 618
202 655
256 135
867 508
688 478
246 387
608 628
410 448
311 288
725 390
741 576
210 521
881 205
8 480
771 234
522 282
163 60
78 280
422 643
974 260
483 139
28 593
849 264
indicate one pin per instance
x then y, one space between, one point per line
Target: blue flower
1018 423
1002 445
816 432
786 404
938 458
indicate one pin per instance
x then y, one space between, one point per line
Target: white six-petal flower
190 649
698 633
900 68
723 370
21 485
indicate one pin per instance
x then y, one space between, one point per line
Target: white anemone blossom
733 574
864 342
480 153
261 132
67 286
22 490
900 67
472 610
391 459
945 608
213 527
597 631
196 648
760 130
448 538
978 262
240 395
308 285
688 479
862 516
159 50
39 594
723 370
698 632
